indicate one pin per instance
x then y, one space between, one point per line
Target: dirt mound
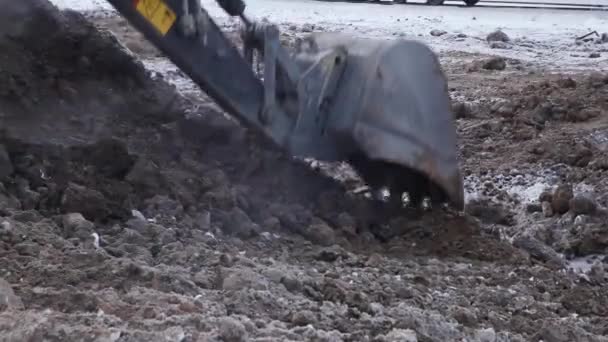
129 213
558 98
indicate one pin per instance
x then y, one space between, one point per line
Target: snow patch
583 265
83 5
540 36
529 193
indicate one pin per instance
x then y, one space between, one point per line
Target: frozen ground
546 37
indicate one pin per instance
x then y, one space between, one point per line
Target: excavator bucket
382 105
393 109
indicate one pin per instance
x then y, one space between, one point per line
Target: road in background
567 4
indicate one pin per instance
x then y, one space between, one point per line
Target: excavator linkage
382 106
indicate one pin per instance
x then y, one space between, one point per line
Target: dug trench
133 213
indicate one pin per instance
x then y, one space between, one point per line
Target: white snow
171 73
547 35
529 193
83 5
583 265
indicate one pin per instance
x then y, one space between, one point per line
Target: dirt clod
232 330
495 63
560 201
80 199
6 166
463 110
539 250
547 208
490 213
303 318
320 233
499 45
237 222
567 82
75 225
8 299
399 335
438 33
582 205
498 36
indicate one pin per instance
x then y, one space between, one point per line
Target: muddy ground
131 212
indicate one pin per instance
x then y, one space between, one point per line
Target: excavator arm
194 43
186 34
383 106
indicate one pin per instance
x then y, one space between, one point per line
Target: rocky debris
539 250
604 37
243 278
499 45
597 80
595 55
75 225
162 206
600 163
498 36
303 317
6 166
463 110
566 82
8 202
547 209
582 115
399 335
231 330
438 33
490 213
8 299
590 239
560 201
29 199
597 274
320 233
486 335
80 199
494 63
307 28
546 196
553 331
147 178
238 223
111 158
582 205
504 108
535 208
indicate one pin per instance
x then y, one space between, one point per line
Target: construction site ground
133 209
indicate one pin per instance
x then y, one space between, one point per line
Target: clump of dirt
129 213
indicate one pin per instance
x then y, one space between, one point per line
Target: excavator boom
207 57
383 106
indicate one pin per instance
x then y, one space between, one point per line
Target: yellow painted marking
157 13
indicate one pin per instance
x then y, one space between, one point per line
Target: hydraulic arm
376 104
